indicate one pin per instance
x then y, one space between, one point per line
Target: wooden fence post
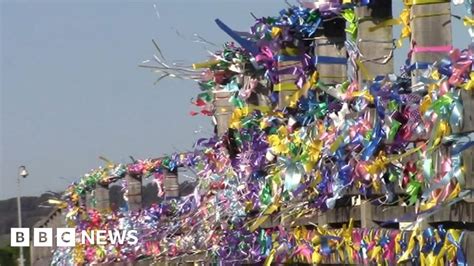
468 125
430 28
102 198
330 45
375 45
430 31
287 80
330 50
171 183
376 56
88 200
134 194
223 111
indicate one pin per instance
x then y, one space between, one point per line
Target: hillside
32 212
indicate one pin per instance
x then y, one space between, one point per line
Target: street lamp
23 173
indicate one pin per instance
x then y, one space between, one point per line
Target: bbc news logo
68 237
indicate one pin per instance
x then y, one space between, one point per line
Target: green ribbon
392 106
265 196
205 96
393 130
413 190
350 16
207 86
262 239
442 105
394 174
237 101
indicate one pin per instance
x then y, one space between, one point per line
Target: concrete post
134 194
223 111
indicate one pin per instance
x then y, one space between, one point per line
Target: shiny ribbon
432 49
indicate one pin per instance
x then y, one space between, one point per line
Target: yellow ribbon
411 246
237 115
468 21
470 84
270 257
403 20
205 64
298 93
442 130
289 51
381 162
425 104
336 144
430 15
423 2
59 203
294 98
364 71
285 86
260 220
386 23
365 94
276 31
279 143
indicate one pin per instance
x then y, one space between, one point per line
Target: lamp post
23 173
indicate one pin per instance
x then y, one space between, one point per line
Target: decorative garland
297 160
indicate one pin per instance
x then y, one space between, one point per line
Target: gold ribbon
205 64
424 2
469 85
468 21
237 115
307 86
261 108
403 20
260 220
285 86
365 93
365 72
270 257
430 15
411 245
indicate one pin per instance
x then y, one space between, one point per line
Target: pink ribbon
323 5
432 49
462 63
265 56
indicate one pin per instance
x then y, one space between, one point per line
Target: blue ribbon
461 260
329 60
250 46
419 65
460 143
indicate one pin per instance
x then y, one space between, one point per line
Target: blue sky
71 88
